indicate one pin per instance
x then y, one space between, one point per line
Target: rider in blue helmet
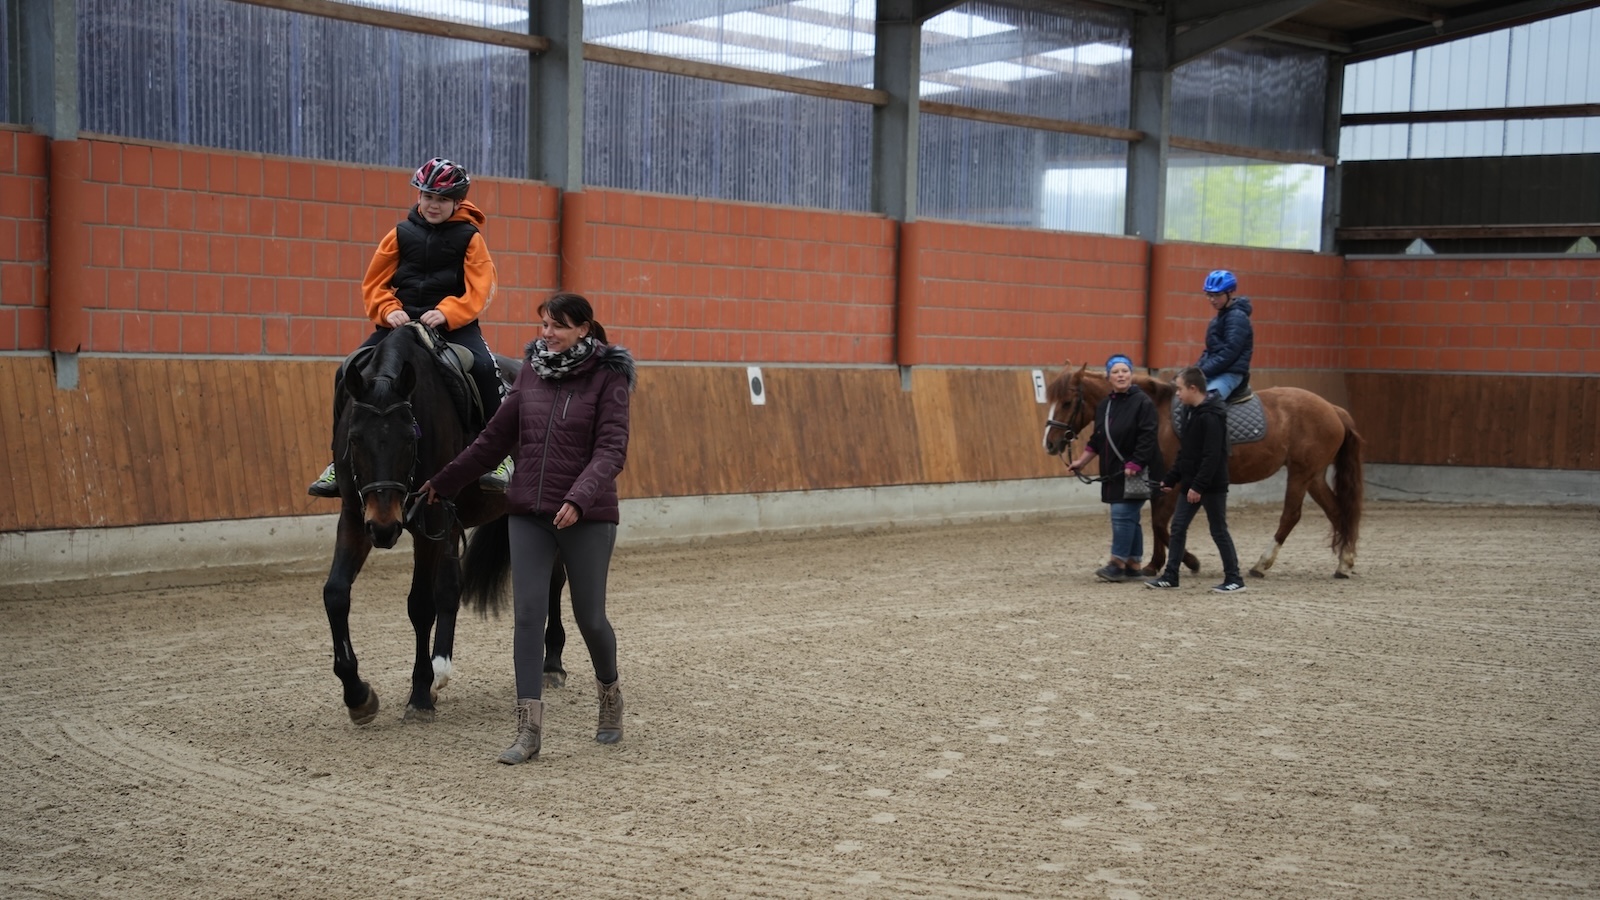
1230 338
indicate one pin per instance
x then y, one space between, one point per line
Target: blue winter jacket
1230 339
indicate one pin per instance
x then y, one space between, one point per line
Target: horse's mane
392 353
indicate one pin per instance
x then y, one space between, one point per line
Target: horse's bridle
374 486
413 506
1077 404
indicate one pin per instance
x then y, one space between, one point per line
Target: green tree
1246 204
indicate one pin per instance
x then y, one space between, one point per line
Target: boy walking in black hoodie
1202 469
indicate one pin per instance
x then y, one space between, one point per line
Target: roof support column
555 93
48 40
1332 176
1147 159
897 70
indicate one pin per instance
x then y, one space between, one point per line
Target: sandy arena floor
958 712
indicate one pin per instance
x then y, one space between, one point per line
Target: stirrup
326 485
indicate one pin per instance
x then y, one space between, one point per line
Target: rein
414 506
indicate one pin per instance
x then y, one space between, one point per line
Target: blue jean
1127 537
1224 384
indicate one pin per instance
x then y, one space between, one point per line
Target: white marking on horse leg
441 674
1266 560
1347 563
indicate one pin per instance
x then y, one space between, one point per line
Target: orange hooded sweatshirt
378 292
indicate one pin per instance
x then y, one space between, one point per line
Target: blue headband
1118 358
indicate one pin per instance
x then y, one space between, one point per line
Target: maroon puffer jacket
570 438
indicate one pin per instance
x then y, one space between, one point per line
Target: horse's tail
1349 489
486 567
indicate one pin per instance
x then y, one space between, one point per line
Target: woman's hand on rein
427 491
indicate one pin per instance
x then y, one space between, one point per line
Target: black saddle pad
1247 420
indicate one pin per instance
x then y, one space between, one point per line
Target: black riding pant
1216 506
586 550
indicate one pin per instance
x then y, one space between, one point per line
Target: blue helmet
1221 281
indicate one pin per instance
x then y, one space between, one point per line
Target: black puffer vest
432 262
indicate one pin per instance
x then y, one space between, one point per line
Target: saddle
1247 418
453 361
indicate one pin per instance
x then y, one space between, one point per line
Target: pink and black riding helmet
443 177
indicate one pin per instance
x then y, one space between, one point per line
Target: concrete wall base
210 552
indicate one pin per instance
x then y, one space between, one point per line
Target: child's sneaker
1162 582
1231 586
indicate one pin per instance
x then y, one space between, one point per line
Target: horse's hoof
555 679
366 712
1257 573
419 716
1341 574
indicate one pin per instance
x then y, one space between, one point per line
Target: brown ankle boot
530 725
610 728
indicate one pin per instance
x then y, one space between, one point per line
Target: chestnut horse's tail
1349 488
486 567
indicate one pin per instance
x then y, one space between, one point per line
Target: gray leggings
586 550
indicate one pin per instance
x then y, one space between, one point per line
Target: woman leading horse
1304 432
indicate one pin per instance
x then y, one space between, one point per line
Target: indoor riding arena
854 248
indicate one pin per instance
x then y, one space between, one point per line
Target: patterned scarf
556 366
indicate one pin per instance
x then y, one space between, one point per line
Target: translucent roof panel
218 73
1546 63
650 131
1255 93
1005 175
825 40
1071 63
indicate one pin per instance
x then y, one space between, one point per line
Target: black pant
585 549
483 371
1216 506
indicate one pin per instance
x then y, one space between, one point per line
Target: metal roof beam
1488 17
1402 8
1223 26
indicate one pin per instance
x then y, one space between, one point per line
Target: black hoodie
1203 455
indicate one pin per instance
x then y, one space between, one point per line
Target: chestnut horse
1304 432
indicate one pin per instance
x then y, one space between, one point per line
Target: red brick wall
984 295
1295 299
185 250
688 279
24 312
1527 316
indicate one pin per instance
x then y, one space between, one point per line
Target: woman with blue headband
1124 439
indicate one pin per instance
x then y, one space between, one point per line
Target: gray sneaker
326 485
496 482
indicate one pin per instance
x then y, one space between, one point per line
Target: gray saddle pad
1247 421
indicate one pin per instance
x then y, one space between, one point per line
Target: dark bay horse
395 426
1304 432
